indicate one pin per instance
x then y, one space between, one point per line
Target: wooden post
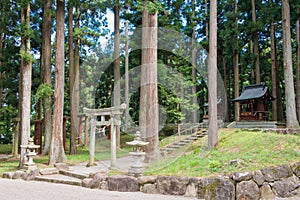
38 128
80 129
65 131
15 148
86 133
92 142
113 143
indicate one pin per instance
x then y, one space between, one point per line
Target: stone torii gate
113 113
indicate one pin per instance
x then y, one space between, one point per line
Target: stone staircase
62 176
183 141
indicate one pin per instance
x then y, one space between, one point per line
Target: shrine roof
255 91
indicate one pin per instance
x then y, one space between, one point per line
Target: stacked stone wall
268 183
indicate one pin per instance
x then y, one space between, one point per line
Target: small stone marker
137 167
30 153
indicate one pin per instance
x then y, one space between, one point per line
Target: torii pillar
113 112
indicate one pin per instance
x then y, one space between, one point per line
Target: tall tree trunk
46 67
236 70
256 48
212 77
298 69
57 153
152 116
76 92
143 81
26 72
73 114
194 88
291 118
127 116
225 86
116 100
273 72
207 21
2 36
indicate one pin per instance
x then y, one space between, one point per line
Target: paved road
32 190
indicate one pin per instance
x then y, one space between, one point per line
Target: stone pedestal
30 153
137 167
138 154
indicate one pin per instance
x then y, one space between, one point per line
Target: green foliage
151 6
44 91
27 57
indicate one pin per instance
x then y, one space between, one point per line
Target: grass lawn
238 150
102 152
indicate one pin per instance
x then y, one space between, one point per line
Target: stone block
17 175
147 179
31 175
296 169
266 192
103 185
8 175
258 177
98 178
150 189
191 190
285 187
276 173
123 184
49 171
242 176
216 188
61 166
247 190
86 182
172 185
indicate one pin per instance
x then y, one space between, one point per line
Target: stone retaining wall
268 183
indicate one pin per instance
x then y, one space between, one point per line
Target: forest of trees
44 43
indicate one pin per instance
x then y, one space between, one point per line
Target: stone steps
73 174
59 178
183 142
62 176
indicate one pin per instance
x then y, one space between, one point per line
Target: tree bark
143 81
152 116
236 71
2 36
116 100
298 70
256 48
73 114
291 118
207 21
26 73
127 116
57 153
194 88
212 78
273 71
76 92
46 67
225 86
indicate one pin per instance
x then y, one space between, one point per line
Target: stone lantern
30 153
137 153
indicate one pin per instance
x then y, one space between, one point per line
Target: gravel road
32 190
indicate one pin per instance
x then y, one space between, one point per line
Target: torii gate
114 113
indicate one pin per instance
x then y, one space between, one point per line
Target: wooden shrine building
254 101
